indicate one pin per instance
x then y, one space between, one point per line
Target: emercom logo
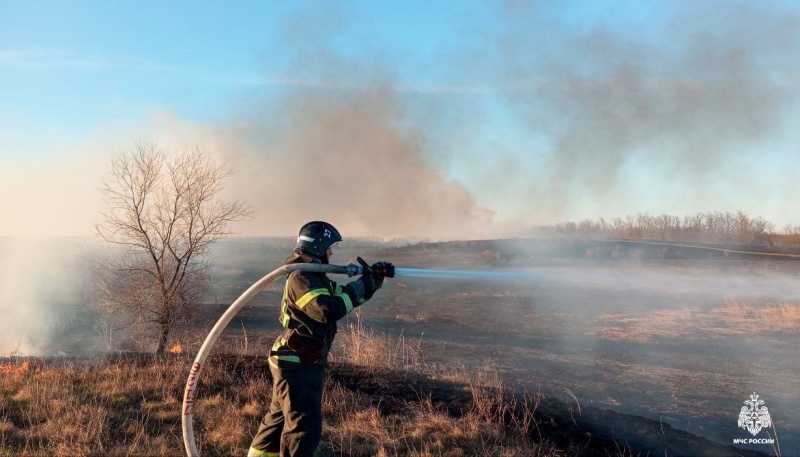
754 417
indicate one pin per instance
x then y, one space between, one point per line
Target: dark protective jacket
312 304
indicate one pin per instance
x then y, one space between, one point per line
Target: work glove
379 270
367 284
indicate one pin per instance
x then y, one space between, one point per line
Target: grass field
621 357
384 401
130 405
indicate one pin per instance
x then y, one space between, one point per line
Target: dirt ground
681 341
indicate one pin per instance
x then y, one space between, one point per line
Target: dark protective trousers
293 425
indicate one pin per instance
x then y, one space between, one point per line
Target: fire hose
190 393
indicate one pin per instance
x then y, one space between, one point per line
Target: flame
177 349
10 368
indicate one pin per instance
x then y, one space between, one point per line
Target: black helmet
316 237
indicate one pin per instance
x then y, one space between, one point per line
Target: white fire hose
192 383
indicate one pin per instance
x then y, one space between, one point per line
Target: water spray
464 274
389 271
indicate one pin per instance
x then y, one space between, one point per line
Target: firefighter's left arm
362 289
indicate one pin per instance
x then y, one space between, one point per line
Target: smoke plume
352 162
42 291
677 116
595 123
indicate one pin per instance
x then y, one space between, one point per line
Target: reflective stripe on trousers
256 453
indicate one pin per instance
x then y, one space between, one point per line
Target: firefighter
311 305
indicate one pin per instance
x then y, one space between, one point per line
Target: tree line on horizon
702 227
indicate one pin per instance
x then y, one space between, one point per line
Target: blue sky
536 112
69 66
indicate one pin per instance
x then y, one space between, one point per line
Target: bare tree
164 211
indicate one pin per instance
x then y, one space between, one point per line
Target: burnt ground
657 348
592 432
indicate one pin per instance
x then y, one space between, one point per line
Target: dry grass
730 319
495 424
424 429
783 317
132 407
358 345
116 409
